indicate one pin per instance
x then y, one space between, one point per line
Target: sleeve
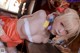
5 38
11 44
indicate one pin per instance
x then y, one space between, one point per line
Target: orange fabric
12 37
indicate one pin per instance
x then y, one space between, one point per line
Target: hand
63 50
59 40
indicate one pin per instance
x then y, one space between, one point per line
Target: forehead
65 21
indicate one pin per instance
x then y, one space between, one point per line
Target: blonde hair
71 23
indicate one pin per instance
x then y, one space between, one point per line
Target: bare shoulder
26 16
38 14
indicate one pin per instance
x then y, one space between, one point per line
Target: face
58 29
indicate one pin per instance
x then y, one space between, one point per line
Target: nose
61 32
58 32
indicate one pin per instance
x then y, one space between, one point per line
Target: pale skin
38 32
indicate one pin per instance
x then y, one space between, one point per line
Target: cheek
63 32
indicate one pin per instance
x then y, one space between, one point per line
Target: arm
11 50
63 49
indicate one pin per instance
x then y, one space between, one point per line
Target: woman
33 28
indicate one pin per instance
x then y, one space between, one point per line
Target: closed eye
66 31
62 24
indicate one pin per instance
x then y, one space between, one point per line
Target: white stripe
27 29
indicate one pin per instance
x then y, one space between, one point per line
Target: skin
38 32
